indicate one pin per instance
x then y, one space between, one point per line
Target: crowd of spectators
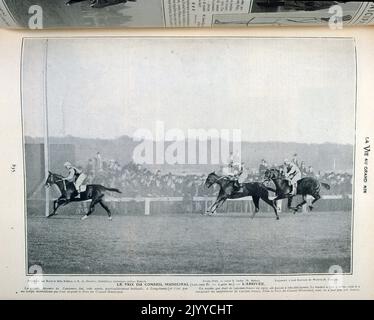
135 180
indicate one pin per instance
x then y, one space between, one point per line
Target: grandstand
145 190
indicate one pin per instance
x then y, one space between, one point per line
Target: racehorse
305 186
254 189
93 192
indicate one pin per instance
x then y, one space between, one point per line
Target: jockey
292 174
234 170
76 176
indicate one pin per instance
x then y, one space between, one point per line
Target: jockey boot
236 185
290 191
77 194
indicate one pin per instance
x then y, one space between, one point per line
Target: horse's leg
54 209
210 207
214 205
300 204
57 204
316 198
256 202
91 209
289 202
219 204
95 200
106 209
279 197
272 204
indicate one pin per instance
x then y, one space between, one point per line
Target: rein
219 179
56 179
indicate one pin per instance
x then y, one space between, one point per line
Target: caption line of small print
366 163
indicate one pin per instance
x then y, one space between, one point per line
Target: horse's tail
112 189
325 185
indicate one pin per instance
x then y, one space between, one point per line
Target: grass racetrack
191 243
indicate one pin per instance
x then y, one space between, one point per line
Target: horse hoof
311 208
277 218
294 210
84 217
110 218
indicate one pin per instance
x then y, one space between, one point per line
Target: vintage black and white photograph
57 14
87 13
189 156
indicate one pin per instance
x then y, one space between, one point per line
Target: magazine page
187 165
41 14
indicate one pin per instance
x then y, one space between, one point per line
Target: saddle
292 189
77 194
236 185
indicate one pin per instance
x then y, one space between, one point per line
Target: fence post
279 205
305 206
147 206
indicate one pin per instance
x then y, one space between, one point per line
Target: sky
290 90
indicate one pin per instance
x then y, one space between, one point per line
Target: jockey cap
67 164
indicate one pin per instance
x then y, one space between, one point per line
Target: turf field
190 243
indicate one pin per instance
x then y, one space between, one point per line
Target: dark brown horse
305 186
227 191
93 192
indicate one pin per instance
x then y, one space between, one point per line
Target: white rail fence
208 200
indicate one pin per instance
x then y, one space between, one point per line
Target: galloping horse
94 192
305 186
254 189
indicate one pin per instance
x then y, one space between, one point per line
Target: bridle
215 181
55 179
